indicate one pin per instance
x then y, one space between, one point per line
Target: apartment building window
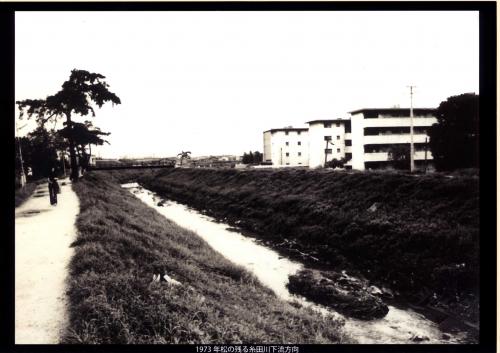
288 164
299 143
300 154
348 142
328 151
287 154
327 125
286 143
286 132
328 138
338 137
338 124
298 132
338 150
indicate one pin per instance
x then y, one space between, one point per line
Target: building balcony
385 139
396 122
384 156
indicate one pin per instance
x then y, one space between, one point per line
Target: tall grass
122 243
409 232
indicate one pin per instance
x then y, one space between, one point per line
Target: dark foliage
39 152
78 94
83 135
252 158
336 163
454 140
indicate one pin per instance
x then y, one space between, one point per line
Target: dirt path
43 236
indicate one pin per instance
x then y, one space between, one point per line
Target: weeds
122 243
409 232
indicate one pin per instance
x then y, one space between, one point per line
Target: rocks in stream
345 294
418 338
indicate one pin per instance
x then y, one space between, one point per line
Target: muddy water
398 326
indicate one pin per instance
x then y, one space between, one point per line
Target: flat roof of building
326 120
381 110
288 129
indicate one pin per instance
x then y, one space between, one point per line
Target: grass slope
406 231
122 243
22 194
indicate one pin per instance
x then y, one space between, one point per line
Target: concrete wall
359 140
267 146
358 144
279 148
317 143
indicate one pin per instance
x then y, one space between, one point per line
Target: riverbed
272 269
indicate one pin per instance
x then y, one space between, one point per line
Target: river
272 269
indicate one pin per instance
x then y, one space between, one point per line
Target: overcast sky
212 82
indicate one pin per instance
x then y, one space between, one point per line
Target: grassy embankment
122 243
414 234
22 194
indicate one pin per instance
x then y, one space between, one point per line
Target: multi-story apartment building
328 140
287 147
374 131
364 138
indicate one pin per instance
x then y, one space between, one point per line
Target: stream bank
417 236
123 246
273 270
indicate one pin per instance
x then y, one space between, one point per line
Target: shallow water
398 326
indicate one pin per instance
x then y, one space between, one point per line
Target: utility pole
326 150
412 161
426 141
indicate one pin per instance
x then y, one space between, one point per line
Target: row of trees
252 157
78 95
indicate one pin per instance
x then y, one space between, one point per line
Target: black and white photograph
249 181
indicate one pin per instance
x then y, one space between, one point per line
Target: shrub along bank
122 243
413 233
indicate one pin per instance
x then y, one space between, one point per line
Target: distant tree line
252 157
